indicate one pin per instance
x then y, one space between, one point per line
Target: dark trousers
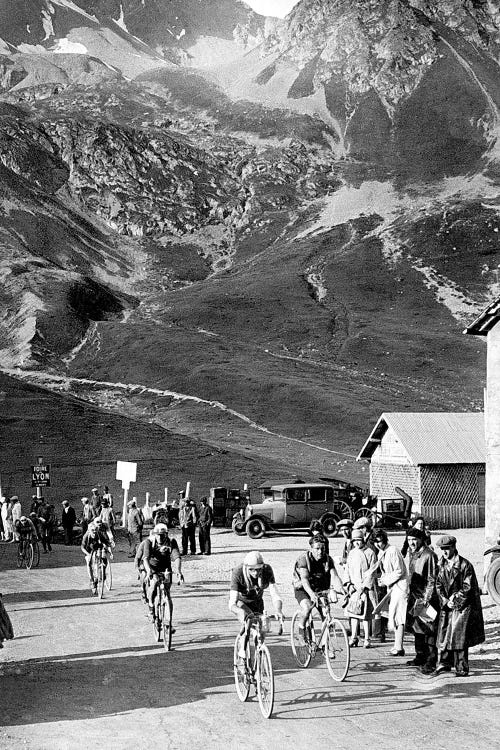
204 539
134 539
458 658
47 540
68 535
425 650
188 538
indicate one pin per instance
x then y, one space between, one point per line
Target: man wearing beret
461 622
420 620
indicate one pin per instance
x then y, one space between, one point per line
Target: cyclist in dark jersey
314 572
246 596
158 554
95 538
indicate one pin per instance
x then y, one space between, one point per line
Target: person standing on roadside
46 517
68 520
461 623
204 525
17 510
187 522
135 524
87 514
96 501
395 578
7 520
422 572
106 495
107 516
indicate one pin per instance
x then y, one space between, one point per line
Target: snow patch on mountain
66 46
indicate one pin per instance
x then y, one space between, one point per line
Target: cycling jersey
251 591
319 571
160 557
25 528
92 543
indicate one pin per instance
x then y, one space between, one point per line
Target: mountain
247 255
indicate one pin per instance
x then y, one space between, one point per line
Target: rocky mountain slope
257 256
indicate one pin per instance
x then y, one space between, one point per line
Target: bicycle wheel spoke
337 651
265 682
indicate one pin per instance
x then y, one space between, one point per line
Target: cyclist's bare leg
93 582
152 587
306 606
243 613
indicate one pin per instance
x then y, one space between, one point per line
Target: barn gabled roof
488 318
433 437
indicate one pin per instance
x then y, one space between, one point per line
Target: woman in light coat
359 583
8 528
394 575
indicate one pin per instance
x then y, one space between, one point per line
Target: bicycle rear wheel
166 620
301 650
108 581
36 554
337 651
265 682
29 556
241 680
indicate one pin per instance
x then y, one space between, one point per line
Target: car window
296 494
317 494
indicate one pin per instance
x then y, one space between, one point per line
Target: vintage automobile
292 505
390 513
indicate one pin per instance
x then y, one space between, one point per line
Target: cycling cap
254 560
160 528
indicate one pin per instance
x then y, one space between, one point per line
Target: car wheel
255 528
329 524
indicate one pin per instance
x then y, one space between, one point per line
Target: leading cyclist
314 572
246 596
94 539
158 554
25 531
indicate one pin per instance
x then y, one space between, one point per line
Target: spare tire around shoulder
329 522
255 528
493 580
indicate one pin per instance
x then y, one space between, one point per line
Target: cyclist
25 531
246 596
158 554
94 539
314 572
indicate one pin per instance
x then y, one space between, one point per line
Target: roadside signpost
126 472
40 476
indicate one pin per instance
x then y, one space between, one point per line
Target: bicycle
28 553
162 614
256 668
324 633
101 571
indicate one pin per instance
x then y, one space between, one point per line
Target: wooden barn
437 458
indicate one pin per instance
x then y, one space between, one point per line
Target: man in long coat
461 622
423 602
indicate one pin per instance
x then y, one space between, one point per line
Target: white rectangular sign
126 471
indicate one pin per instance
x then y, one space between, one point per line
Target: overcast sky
272 7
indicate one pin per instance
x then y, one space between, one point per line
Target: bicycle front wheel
241 680
101 580
36 554
29 556
265 682
108 580
301 650
166 621
337 651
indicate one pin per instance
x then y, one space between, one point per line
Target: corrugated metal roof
485 322
433 437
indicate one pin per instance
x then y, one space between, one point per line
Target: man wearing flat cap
461 622
423 602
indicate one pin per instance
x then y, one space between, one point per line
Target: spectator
461 622
418 523
96 501
422 570
135 524
106 495
17 510
395 578
88 514
204 525
345 525
6 631
107 516
187 522
8 528
35 502
68 520
47 517
358 576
